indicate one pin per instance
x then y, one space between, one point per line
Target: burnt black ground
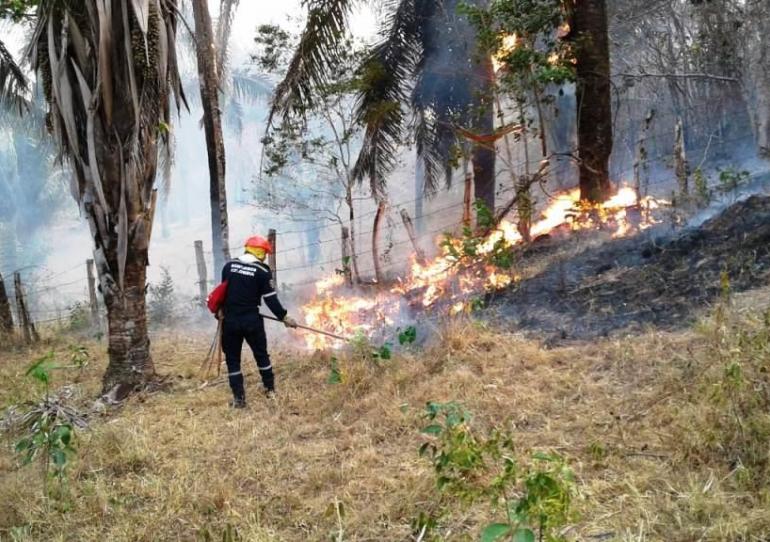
658 278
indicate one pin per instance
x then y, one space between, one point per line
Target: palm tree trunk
589 30
484 156
109 99
128 342
212 123
378 277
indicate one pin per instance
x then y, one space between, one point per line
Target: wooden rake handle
312 329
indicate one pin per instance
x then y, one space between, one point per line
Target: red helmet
259 242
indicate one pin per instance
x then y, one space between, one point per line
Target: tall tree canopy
427 61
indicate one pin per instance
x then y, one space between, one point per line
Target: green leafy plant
335 375
534 498
730 179
383 353
47 429
477 303
467 249
485 218
364 348
407 336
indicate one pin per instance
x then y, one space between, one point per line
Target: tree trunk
346 256
484 156
128 342
594 100
212 122
203 279
352 226
467 202
680 161
376 241
6 319
756 73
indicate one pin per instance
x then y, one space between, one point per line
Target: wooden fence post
92 299
202 273
28 330
346 256
376 241
409 226
6 318
272 259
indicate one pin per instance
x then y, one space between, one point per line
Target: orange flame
454 282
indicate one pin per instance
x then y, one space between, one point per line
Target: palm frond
250 88
433 142
317 50
227 9
109 72
386 78
13 82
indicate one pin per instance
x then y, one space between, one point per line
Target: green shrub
533 498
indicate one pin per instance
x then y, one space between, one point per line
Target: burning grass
666 432
467 267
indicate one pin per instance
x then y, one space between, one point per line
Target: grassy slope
658 453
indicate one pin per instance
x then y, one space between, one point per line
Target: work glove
288 321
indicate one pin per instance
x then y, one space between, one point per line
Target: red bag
216 299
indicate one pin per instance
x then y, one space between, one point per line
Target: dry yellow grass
627 413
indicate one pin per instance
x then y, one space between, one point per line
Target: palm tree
428 62
108 70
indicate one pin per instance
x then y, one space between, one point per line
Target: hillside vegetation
666 434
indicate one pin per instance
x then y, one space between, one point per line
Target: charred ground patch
656 279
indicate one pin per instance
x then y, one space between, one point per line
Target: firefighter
249 282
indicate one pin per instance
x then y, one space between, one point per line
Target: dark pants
252 329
